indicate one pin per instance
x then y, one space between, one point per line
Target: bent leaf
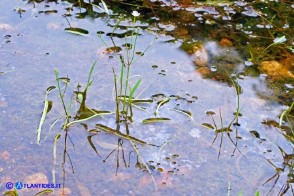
92 145
160 103
47 107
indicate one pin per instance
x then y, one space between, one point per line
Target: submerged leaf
154 120
114 49
225 129
127 99
160 103
210 113
255 134
76 30
64 79
183 112
50 104
50 88
207 125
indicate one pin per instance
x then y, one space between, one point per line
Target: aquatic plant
234 122
276 41
286 115
124 92
46 109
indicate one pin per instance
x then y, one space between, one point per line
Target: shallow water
187 164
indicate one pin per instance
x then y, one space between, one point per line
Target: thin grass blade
134 89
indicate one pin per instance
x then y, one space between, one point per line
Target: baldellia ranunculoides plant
124 92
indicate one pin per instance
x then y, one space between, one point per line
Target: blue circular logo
9 185
18 185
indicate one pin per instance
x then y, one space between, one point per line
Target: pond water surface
194 160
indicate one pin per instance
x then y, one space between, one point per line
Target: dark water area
190 64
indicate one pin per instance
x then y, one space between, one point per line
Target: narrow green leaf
76 30
134 89
90 74
154 120
121 77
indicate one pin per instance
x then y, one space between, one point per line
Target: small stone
226 42
275 70
5 155
203 71
37 178
4 26
201 57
